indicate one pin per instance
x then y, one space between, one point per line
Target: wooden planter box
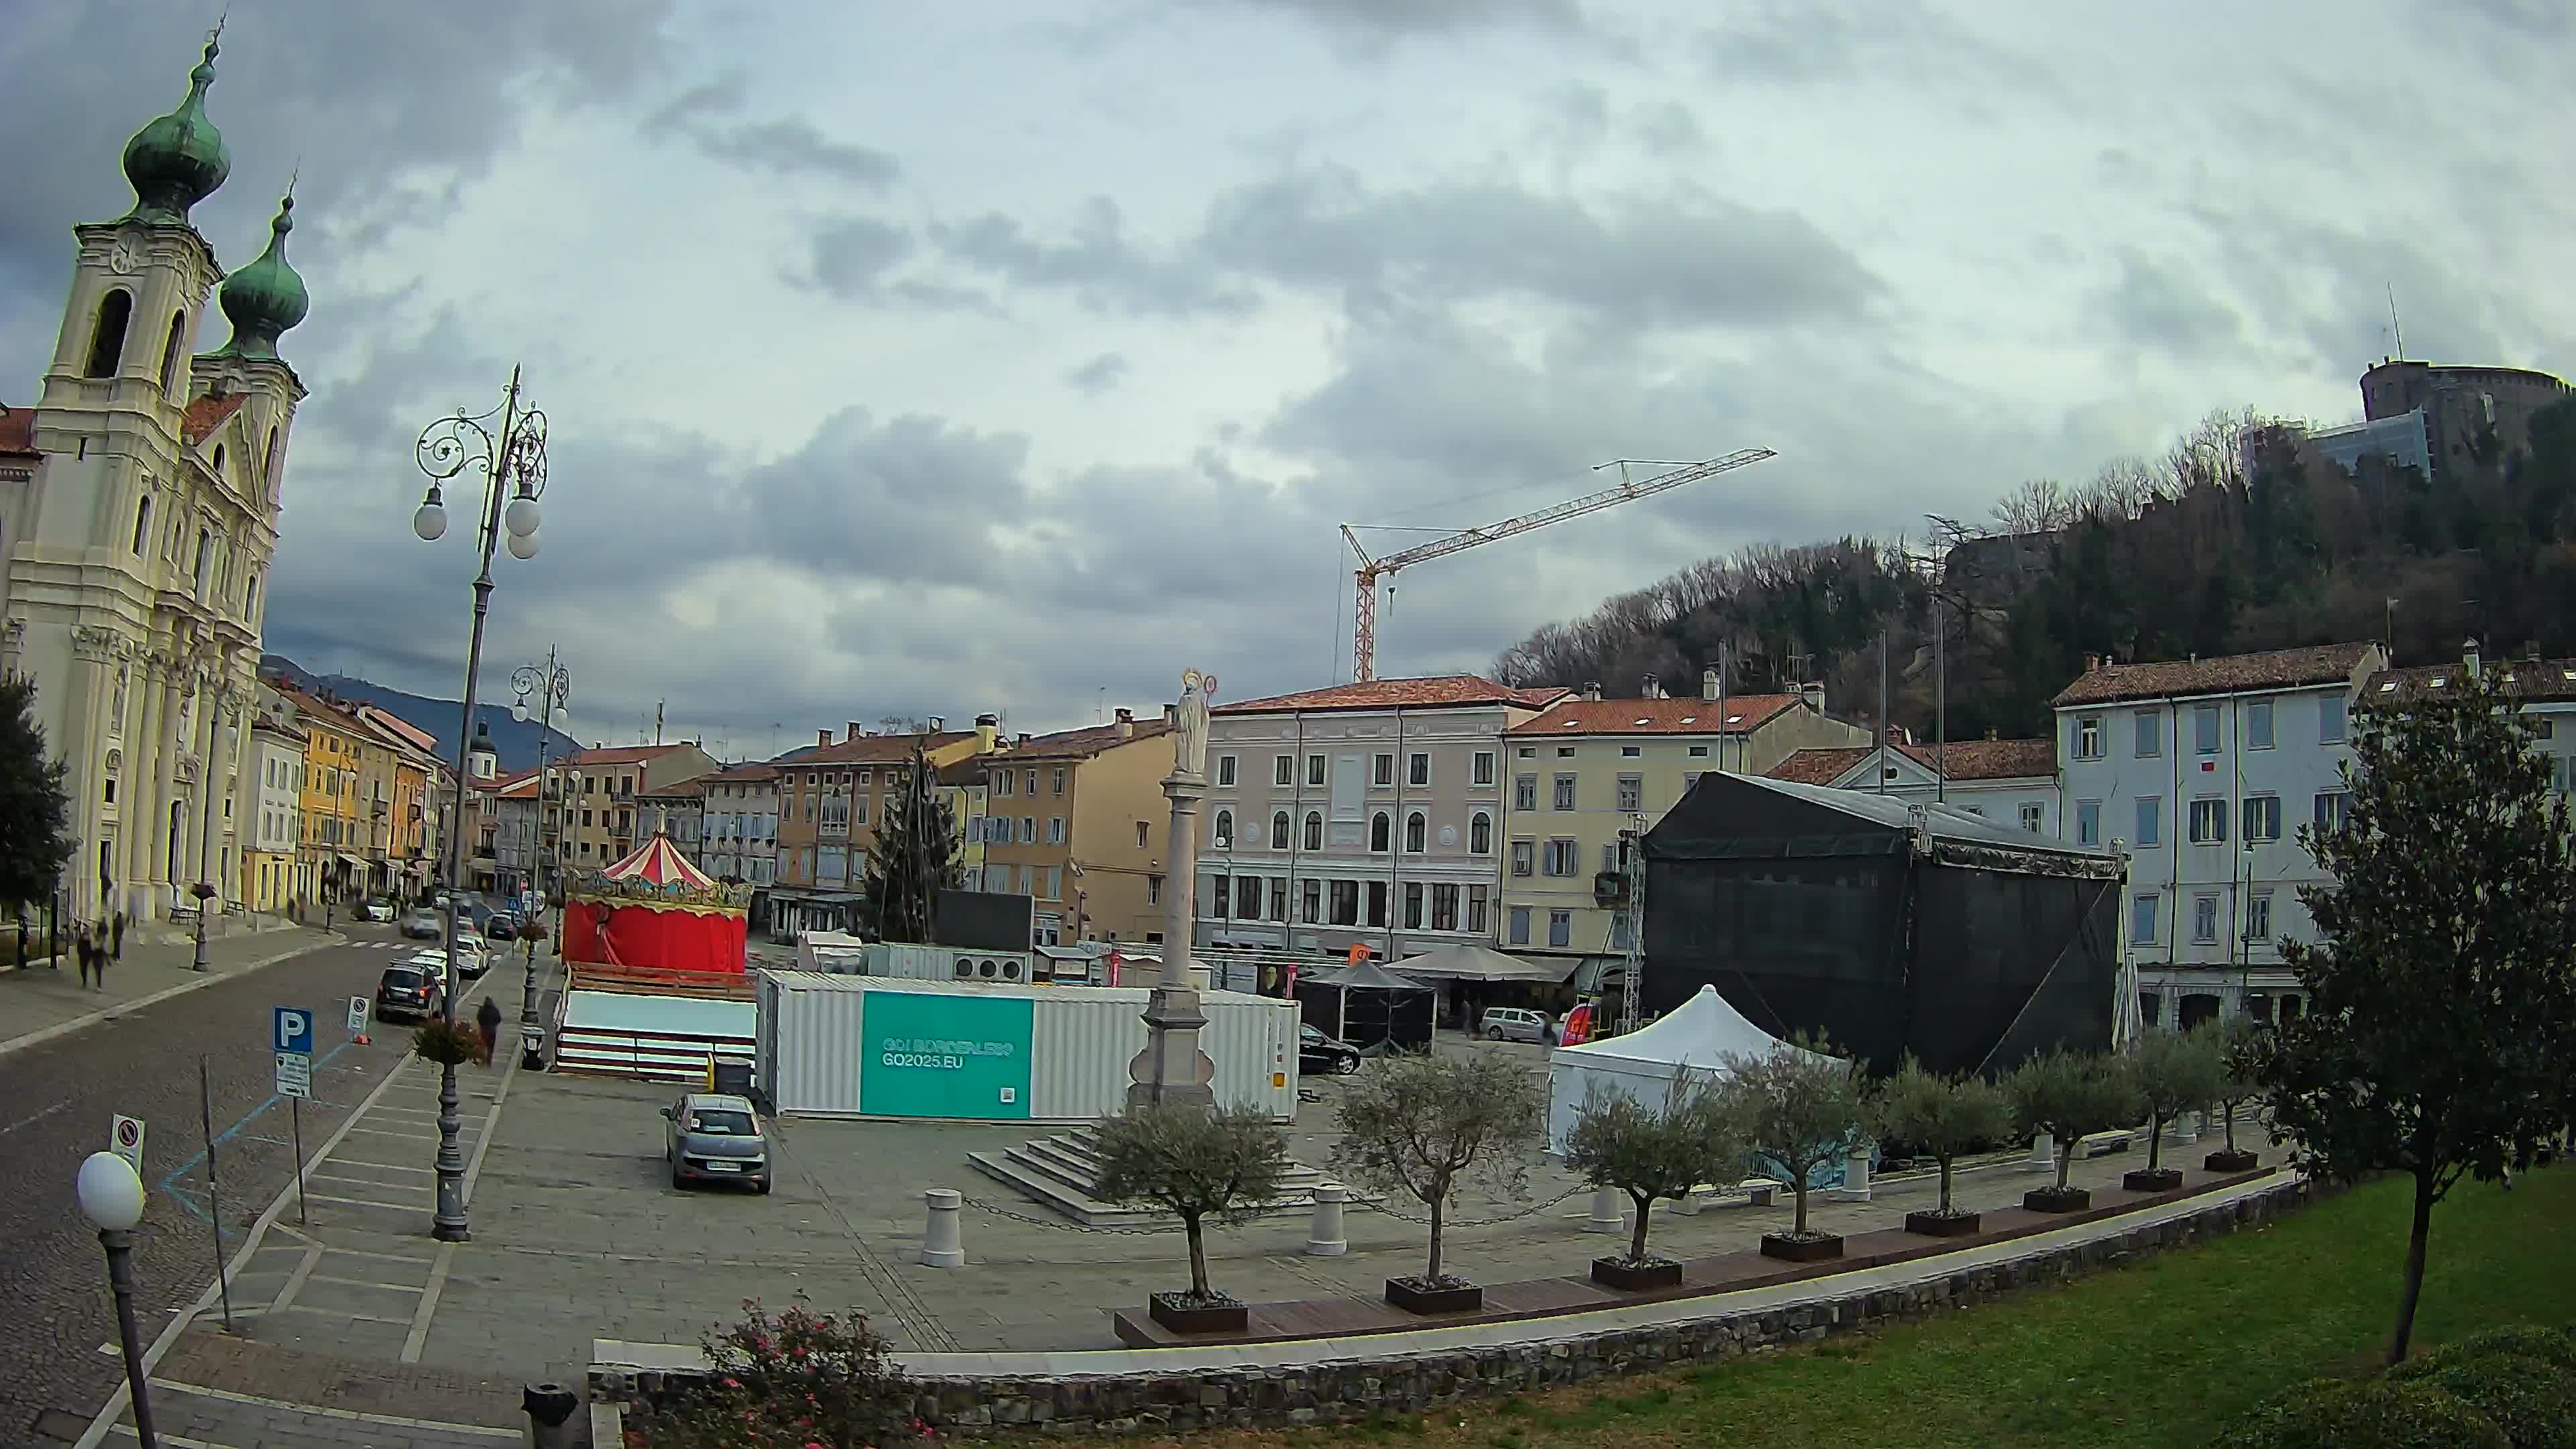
2056 1200
2225 1161
1175 1312
2162 1179
1411 1295
1801 1250
1935 1225
1630 1277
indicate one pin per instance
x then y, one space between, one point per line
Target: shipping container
865 1046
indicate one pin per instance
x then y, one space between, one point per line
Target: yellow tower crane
1364 635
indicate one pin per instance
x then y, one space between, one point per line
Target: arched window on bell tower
142 523
170 352
107 339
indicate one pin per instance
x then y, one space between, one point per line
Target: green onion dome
265 298
178 160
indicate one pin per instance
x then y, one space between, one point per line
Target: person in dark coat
116 937
489 1019
88 953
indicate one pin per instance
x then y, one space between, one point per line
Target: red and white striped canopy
658 862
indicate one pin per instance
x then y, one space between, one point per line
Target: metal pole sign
291 1039
358 1015
125 1139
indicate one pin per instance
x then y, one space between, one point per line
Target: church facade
139 527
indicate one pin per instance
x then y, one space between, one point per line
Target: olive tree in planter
2069 1097
1426 1126
2234 1043
1944 1118
2174 1072
1196 1165
1651 1153
1798 1106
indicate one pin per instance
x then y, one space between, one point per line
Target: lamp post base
120 1281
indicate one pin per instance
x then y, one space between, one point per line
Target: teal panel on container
946 1055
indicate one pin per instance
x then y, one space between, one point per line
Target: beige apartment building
1366 814
1078 821
603 820
1588 770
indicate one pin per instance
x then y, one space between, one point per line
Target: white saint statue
1190 729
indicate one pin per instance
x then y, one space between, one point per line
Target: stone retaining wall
1408 1383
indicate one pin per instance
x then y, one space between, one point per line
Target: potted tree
2174 1072
1651 1153
1942 1118
1195 1165
2069 1097
2235 1043
1426 1126
1798 1106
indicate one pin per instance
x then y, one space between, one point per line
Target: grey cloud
1099 265
2161 306
785 147
1386 18
916 499
333 87
852 252
2316 293
1648 263
1813 42
1098 375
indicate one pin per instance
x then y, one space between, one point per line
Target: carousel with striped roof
655 912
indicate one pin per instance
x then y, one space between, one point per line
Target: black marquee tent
1368 1006
1890 927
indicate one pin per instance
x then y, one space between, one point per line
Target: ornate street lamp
513 465
111 1197
552 688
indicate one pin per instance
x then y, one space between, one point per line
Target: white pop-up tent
1699 1036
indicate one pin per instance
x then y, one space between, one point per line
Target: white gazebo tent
1699 1036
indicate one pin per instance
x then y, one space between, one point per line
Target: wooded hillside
2212 548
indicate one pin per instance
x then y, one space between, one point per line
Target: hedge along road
57 1099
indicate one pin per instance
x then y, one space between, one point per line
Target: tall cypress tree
35 813
914 856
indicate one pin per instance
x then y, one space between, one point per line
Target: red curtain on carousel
629 934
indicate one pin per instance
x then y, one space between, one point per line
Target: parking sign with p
294 1031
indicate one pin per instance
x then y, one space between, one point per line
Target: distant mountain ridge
513 740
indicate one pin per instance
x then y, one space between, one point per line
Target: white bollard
1609 1213
1855 1186
1687 1205
2043 1154
2184 1129
941 1243
1324 1235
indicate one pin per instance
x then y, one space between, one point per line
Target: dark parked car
1318 1054
408 991
503 926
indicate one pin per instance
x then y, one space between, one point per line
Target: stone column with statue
1172 1070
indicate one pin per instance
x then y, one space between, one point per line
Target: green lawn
2161 1353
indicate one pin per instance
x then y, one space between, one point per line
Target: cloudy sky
928 360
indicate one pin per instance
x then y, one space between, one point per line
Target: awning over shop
1478 963
353 862
1587 975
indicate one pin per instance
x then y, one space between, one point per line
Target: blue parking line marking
227 1135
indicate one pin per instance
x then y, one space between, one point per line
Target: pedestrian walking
489 1019
116 937
88 953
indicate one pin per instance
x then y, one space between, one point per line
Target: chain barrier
1446 1224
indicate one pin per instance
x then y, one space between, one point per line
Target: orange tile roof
18 431
1080 744
744 774
1432 692
1964 760
2530 679
876 749
208 413
2314 664
512 787
1742 712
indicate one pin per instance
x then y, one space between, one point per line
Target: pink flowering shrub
795 1380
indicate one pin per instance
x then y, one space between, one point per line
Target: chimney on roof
2469 657
2531 650
1126 724
1814 695
1990 732
2092 663
1172 716
822 737
1708 686
1654 687
852 730
988 733
1592 689
1024 738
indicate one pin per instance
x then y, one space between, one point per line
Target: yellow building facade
1586 772
330 854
